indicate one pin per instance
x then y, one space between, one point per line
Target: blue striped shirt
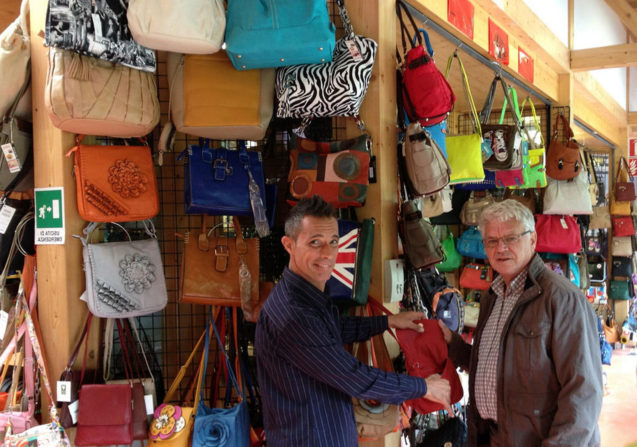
307 378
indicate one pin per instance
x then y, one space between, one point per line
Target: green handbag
453 259
534 161
620 289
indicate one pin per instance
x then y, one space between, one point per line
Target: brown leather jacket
550 372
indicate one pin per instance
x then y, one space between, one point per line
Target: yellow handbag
619 208
464 152
210 99
172 424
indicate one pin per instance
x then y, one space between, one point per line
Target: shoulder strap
467 90
532 144
174 386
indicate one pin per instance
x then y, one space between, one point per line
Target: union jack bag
351 275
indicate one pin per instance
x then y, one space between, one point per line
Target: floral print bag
124 279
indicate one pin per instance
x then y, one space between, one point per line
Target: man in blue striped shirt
306 377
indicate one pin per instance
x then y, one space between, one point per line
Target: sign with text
49 216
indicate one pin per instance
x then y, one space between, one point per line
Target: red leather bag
623 226
476 277
426 354
427 96
624 190
105 415
557 234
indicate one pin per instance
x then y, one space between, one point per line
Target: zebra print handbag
335 88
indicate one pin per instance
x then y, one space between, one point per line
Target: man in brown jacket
534 367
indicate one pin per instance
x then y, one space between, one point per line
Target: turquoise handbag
277 33
470 244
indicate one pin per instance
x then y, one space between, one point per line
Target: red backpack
427 96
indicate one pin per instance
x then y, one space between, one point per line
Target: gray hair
506 210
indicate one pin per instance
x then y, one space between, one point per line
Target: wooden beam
571 24
632 118
626 13
613 56
530 32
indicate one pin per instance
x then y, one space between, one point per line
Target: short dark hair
313 206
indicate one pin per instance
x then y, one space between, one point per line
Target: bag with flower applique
123 279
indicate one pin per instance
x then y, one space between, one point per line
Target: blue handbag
277 33
487 183
217 182
221 427
470 244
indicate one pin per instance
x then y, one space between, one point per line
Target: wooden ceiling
9 11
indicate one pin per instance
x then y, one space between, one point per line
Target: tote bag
568 196
557 234
464 152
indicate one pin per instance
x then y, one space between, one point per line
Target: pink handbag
623 226
557 234
509 177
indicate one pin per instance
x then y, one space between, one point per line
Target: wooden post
60 273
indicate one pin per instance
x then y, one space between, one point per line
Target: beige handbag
243 101
431 206
15 54
622 246
600 218
200 30
90 96
473 207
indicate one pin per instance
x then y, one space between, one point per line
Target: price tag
74 409
353 50
4 319
64 391
148 400
13 163
563 222
6 214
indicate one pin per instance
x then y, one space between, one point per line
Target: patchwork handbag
303 33
563 159
114 183
96 29
623 226
221 426
534 163
218 269
193 27
337 171
624 190
220 181
557 234
426 94
504 140
351 276
89 96
335 88
464 152
243 103
470 244
124 279
427 168
476 276
422 247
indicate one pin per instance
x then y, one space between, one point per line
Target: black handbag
595 242
451 433
597 271
622 267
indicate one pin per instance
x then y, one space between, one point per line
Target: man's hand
439 390
446 332
407 320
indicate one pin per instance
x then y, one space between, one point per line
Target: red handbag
509 177
105 415
476 277
427 96
624 191
623 226
557 234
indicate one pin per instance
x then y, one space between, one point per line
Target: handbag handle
347 24
485 113
467 90
400 8
182 371
78 345
623 166
567 128
233 377
538 129
15 246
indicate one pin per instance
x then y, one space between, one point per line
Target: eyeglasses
507 240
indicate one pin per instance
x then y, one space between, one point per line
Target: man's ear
287 242
533 239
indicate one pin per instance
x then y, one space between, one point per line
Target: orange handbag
476 277
215 265
115 183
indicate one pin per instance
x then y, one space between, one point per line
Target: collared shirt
307 378
486 384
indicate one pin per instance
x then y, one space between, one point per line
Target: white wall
554 13
633 89
596 25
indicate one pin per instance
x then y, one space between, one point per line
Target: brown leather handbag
114 183
624 187
219 269
563 160
525 196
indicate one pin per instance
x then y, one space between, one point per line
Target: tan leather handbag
90 96
427 167
214 266
243 101
473 207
